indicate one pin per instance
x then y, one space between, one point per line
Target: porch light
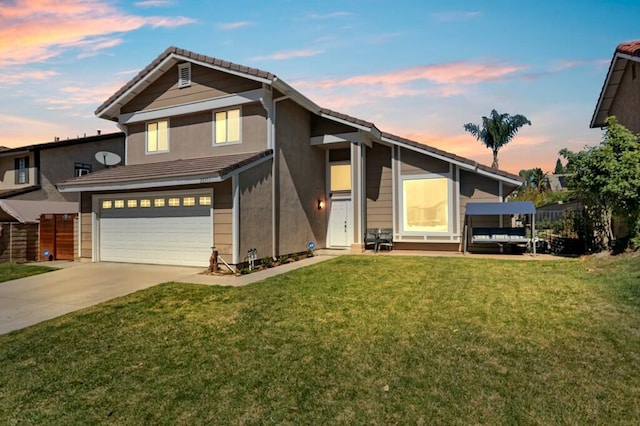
320 204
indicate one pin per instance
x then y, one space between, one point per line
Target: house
27 188
31 172
220 154
620 94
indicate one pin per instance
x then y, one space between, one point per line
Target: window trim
213 121
21 172
146 136
450 204
81 167
341 163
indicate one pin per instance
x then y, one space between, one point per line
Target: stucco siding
255 211
8 172
300 183
626 104
379 187
205 84
191 136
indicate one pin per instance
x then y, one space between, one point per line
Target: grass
13 271
354 340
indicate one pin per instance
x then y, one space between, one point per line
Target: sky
420 69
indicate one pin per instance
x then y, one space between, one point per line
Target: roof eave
595 122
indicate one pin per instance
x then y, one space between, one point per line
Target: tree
559 168
497 130
607 178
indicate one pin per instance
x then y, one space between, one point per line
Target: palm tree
497 131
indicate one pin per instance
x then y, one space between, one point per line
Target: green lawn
13 271
355 340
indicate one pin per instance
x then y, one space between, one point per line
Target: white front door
340 225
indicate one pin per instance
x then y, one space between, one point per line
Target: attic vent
184 75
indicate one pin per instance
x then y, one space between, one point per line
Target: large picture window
425 204
226 126
158 136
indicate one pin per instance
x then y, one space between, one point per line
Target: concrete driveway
30 300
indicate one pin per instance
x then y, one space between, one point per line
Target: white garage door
165 229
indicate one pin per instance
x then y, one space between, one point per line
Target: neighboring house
31 172
620 94
220 154
557 182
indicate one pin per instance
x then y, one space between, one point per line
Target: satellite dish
107 158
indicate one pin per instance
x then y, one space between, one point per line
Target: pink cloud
153 3
228 26
460 72
37 30
19 77
278 56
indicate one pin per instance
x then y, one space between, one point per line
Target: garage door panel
157 239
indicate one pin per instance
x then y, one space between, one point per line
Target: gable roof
173 55
625 52
164 173
58 143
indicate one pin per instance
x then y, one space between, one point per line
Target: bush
310 253
267 262
284 258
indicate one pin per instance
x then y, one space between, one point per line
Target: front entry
340 223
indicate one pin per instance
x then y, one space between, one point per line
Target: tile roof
188 55
269 76
61 143
165 170
630 48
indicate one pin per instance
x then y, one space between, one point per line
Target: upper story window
226 126
81 169
158 136
184 75
22 170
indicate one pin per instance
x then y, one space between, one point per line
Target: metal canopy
487 209
515 207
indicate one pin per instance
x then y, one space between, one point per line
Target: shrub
267 262
284 258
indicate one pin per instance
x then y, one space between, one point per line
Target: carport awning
486 209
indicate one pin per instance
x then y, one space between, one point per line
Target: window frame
450 204
81 169
214 122
340 163
146 136
21 170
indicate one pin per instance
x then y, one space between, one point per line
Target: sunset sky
419 69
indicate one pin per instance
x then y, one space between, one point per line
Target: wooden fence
18 242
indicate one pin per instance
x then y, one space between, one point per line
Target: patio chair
385 239
371 239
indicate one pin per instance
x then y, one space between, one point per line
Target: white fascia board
133 90
607 81
221 102
125 186
472 167
223 69
298 97
161 68
336 138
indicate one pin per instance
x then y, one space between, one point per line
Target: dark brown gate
56 236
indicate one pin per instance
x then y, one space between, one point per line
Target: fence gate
57 236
